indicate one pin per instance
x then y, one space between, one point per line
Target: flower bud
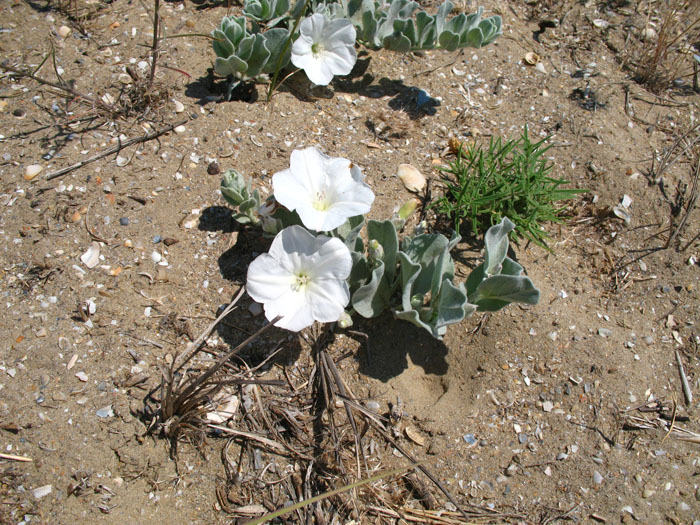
345 321
407 209
376 250
417 300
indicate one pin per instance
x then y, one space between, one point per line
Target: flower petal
329 299
267 279
339 60
294 308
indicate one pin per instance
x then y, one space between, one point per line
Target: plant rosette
324 191
324 48
303 278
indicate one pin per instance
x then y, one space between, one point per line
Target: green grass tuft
506 179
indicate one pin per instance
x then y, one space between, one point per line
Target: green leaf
385 234
496 240
372 298
498 291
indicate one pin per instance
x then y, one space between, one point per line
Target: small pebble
597 477
63 31
213 168
157 239
372 406
562 456
180 129
179 106
124 221
648 493
604 332
547 406
522 438
255 309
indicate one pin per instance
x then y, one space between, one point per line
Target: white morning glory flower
324 48
302 278
324 191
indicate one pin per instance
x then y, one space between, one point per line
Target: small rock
124 221
63 31
548 471
648 493
547 406
562 456
213 168
179 106
82 376
40 492
597 477
32 171
180 129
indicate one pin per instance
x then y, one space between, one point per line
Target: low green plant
506 179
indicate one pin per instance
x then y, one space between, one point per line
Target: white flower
324 48
324 191
302 278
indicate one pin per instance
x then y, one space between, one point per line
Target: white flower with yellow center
303 278
324 191
324 48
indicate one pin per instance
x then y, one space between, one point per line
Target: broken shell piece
458 72
122 161
601 24
414 436
412 179
531 58
32 171
108 99
225 407
179 106
623 214
92 256
540 67
180 129
63 31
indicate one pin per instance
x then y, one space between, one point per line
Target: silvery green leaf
452 305
275 40
373 297
496 241
230 66
221 43
258 56
349 232
385 234
361 271
270 11
498 291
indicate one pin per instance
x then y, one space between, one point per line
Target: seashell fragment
179 106
92 256
601 24
531 58
63 31
32 171
411 178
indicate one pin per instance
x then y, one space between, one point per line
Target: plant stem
284 51
154 48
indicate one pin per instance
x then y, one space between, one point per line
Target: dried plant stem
63 86
115 149
687 392
194 346
155 51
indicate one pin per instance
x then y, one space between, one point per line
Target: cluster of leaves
506 179
415 279
246 53
395 28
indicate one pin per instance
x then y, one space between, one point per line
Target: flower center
321 201
300 282
316 49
